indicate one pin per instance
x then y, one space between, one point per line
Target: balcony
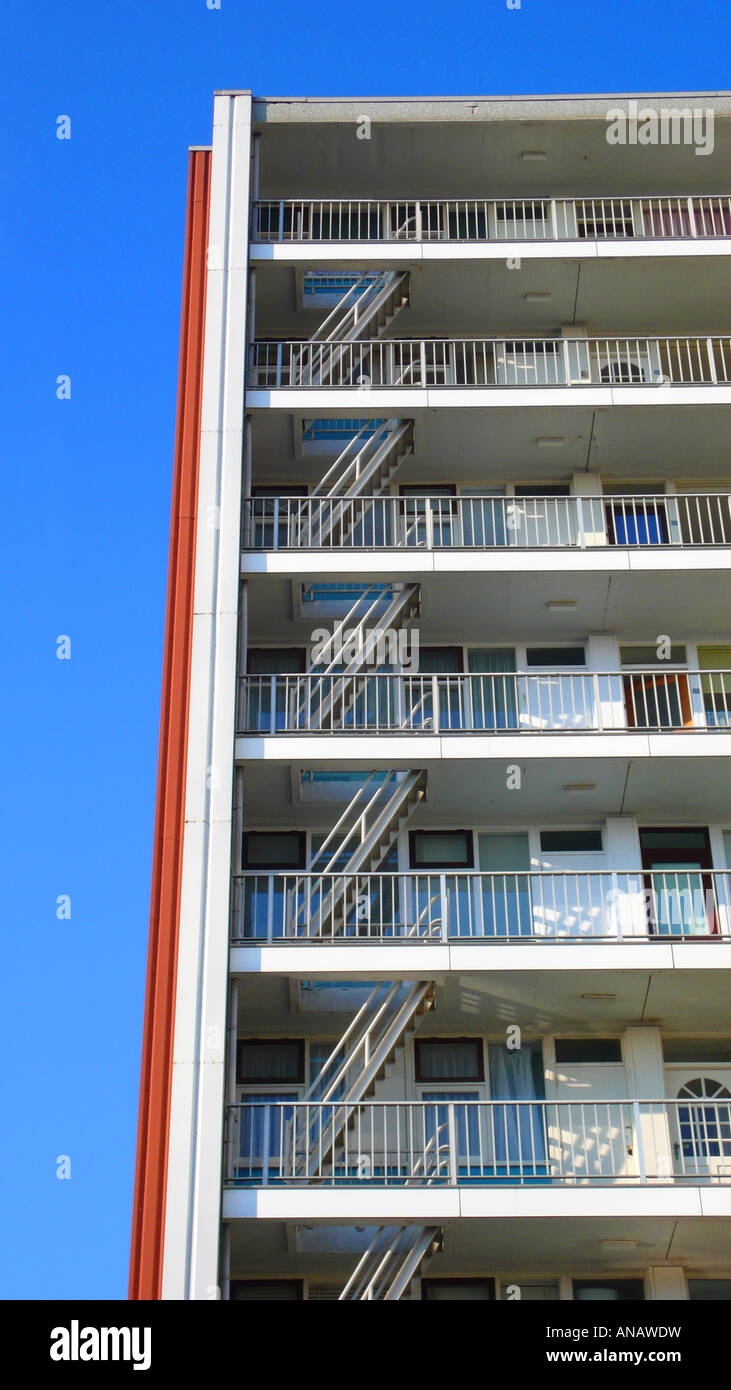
421 908
632 522
674 218
443 1142
493 364
697 702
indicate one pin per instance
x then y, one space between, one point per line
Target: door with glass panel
538 516
483 516
504 894
441 884
270 705
493 702
715 662
701 1124
272 901
556 692
451 1072
439 703
658 698
517 1137
429 515
678 884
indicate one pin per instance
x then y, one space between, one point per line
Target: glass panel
458 1059
466 1122
269 1061
255 1121
494 702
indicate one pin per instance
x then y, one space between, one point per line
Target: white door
700 1123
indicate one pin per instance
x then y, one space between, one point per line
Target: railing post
691 218
444 906
281 220
615 900
273 704
638 1140
711 361
435 703
452 1133
266 1130
599 716
422 363
278 377
270 907
275 531
554 220
580 522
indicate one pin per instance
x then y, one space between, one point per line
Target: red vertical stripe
148 1219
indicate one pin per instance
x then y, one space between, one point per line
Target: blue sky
92 236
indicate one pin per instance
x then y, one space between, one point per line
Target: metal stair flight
396 1255
370 303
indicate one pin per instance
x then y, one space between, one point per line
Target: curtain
494 704
519 1130
254 1120
456 1060
466 1121
506 898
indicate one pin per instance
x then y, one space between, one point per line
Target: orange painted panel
148 1219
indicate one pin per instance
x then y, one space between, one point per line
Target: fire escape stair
370 305
394 1258
328 700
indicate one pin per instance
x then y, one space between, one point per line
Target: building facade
440 949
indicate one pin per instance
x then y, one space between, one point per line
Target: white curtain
519 1137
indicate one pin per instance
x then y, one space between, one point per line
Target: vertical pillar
193 1205
646 1082
667 1282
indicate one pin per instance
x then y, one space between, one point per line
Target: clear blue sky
91 252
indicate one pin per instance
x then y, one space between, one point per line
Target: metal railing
448 1142
496 362
439 907
551 701
494 219
486 523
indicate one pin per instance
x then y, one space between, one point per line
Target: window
579 1050
260 1061
619 1290
530 1293
458 1289
637 655
697 1051
449 1059
571 841
265 1290
273 850
555 656
441 849
709 1290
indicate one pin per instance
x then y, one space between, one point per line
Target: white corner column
193 1204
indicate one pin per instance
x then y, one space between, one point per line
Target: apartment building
440 950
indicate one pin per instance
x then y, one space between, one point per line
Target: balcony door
505 894
682 901
429 515
701 1124
715 662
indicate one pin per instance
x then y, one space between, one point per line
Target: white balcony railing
546 702
439 907
496 219
491 362
446 1142
487 523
